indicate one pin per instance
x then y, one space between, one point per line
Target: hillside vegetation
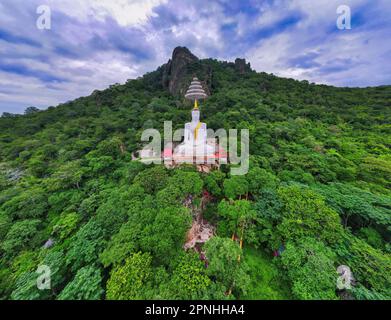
318 187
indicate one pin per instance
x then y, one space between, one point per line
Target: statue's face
195 116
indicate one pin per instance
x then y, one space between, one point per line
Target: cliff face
184 65
241 66
181 68
176 70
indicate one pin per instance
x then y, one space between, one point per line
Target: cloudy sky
95 43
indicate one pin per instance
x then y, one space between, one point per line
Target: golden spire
195 104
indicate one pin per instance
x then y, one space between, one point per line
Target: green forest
317 194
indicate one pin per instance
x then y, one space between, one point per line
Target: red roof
221 154
167 152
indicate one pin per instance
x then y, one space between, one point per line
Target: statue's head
195 115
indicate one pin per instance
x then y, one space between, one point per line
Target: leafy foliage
85 246
128 281
21 235
190 280
222 254
306 214
310 266
317 194
85 286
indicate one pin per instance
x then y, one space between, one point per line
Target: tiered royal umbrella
195 92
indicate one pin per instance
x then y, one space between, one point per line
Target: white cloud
354 57
125 12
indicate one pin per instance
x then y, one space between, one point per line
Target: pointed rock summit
179 71
183 53
181 68
242 66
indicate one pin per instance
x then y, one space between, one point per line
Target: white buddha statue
195 133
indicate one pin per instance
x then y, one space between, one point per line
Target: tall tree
130 280
222 255
310 266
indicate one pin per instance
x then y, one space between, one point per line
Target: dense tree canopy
310 266
317 194
129 281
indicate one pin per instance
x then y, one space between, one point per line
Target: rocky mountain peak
242 66
178 70
183 54
184 65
